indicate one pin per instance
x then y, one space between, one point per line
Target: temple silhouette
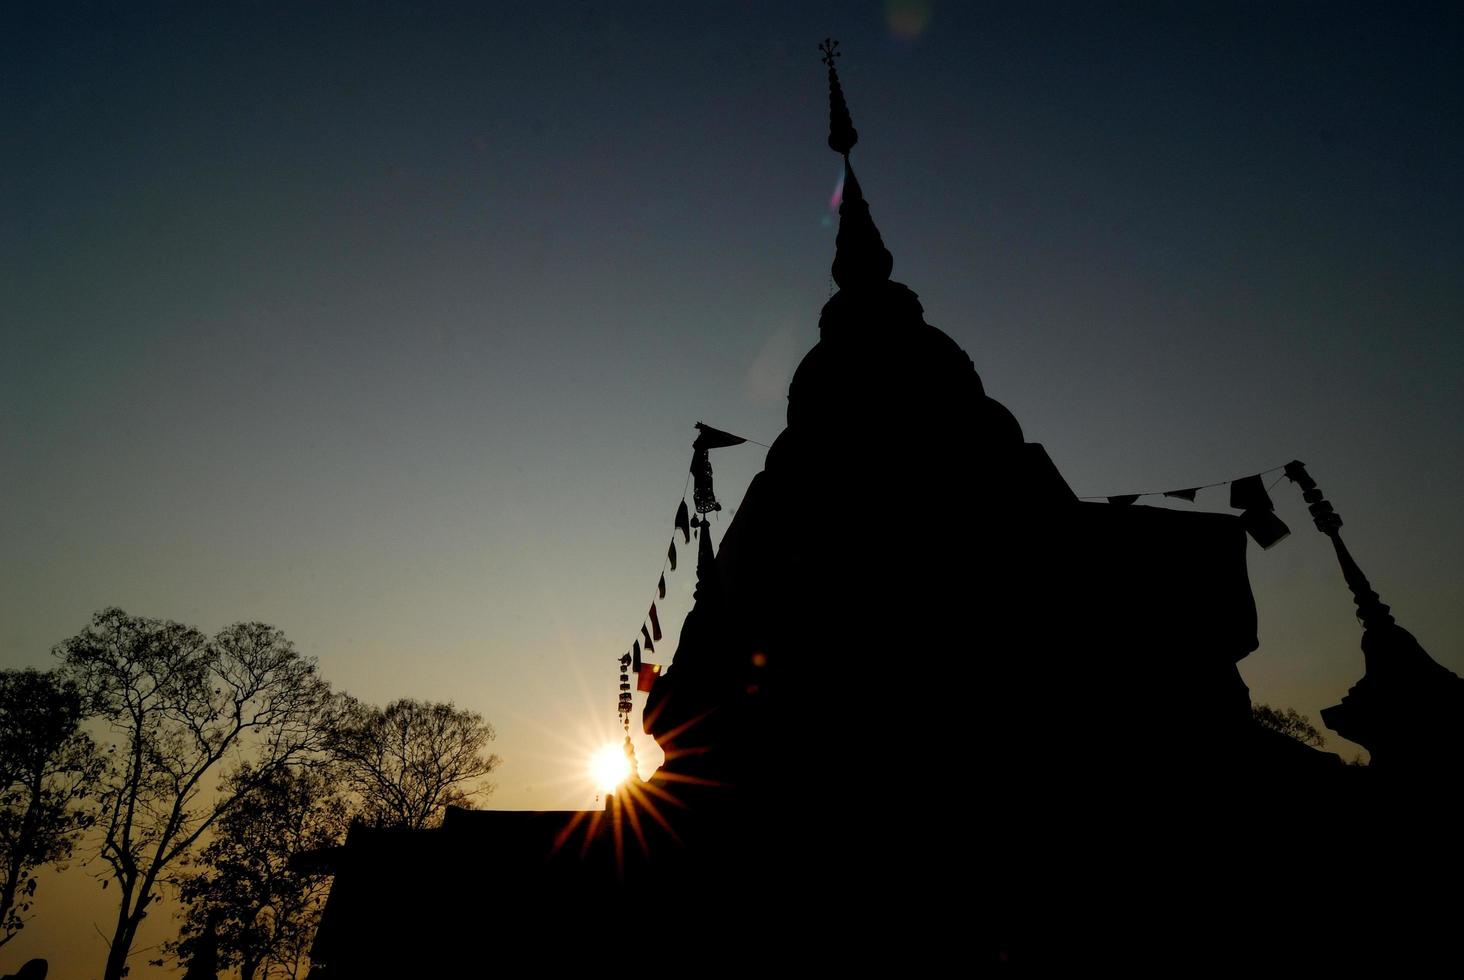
1004 731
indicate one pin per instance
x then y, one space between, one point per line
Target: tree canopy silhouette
47 768
1290 723
408 761
247 907
181 707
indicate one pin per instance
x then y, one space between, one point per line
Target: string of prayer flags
1247 495
705 500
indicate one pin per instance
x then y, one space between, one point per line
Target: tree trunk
120 948
124 935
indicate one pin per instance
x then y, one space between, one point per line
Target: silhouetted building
929 710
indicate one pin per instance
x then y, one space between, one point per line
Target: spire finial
830 49
842 135
860 254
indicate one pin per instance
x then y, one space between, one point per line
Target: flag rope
630 662
1196 488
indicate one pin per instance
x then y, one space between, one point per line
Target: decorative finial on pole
1370 608
1407 706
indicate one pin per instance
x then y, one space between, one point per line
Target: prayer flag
1249 493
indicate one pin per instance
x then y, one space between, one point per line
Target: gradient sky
387 323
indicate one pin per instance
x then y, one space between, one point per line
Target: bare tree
47 767
248 906
410 760
181 708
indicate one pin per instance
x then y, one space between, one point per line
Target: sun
609 767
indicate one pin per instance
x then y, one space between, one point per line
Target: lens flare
609 767
907 18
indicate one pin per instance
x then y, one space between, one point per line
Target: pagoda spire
860 256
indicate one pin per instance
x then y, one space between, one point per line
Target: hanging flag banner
1183 494
1264 527
705 499
701 465
1261 523
1249 493
1123 500
701 477
710 438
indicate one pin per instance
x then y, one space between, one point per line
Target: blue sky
388 323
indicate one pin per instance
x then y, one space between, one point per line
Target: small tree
248 907
406 763
180 709
47 767
1289 723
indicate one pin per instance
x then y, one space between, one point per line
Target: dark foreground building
1050 761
